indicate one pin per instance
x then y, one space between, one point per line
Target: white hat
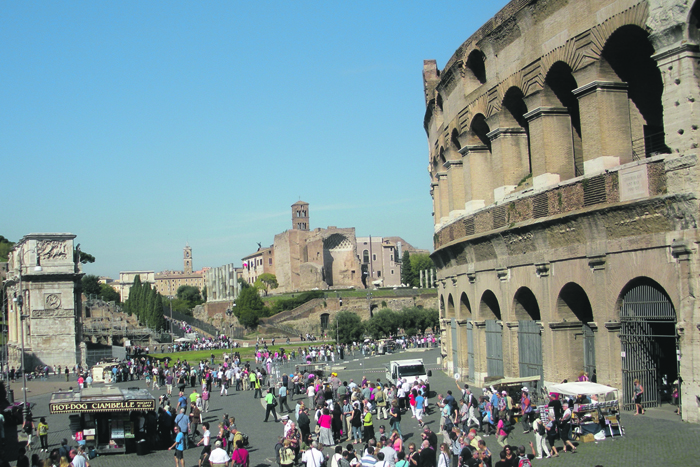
525 389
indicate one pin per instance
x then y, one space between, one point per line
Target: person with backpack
525 460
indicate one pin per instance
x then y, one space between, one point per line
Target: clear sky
142 125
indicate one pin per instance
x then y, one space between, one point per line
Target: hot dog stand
110 420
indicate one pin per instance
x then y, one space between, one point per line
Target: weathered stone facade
564 173
44 277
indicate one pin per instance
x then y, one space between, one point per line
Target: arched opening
525 305
559 84
450 307
465 308
476 63
515 108
575 334
628 53
325 318
649 342
442 306
694 22
527 312
480 129
490 310
454 139
365 256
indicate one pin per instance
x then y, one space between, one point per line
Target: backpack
541 429
246 442
524 462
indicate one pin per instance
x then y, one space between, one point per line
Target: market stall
108 419
596 409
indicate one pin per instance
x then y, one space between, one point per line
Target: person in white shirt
218 456
313 457
206 437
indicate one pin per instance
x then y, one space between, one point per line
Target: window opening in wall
392 272
475 62
374 257
379 273
365 256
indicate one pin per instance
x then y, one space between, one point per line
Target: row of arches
646 333
610 108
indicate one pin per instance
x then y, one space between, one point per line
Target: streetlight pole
20 303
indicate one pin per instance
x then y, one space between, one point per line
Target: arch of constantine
564 173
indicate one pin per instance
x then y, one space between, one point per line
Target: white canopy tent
184 339
585 388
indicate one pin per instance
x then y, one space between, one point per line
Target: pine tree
407 275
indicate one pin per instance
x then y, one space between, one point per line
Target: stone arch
476 63
559 85
626 56
573 304
450 311
525 305
636 282
513 110
648 338
694 22
465 308
489 307
479 129
454 140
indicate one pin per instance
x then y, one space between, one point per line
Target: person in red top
81 381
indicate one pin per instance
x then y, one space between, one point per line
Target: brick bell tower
188 259
300 216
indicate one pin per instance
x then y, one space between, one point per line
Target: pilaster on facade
472 277
503 273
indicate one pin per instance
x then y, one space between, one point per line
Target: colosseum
564 174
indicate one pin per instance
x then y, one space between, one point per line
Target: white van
407 370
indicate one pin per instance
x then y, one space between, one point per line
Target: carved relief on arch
635 15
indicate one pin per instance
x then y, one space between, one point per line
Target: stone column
510 159
432 278
551 143
478 177
420 274
455 182
680 73
444 197
605 125
435 191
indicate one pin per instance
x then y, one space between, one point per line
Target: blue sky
140 126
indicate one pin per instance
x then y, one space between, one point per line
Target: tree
420 262
383 323
90 285
266 281
407 275
108 294
5 248
86 258
249 307
350 327
204 293
189 293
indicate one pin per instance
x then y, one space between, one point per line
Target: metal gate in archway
588 349
644 312
494 348
530 348
470 349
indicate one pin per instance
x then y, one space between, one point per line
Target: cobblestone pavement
656 438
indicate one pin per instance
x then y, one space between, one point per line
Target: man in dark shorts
179 446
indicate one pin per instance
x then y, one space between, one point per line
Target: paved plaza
657 438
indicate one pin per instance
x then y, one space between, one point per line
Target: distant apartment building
167 282
260 262
126 280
